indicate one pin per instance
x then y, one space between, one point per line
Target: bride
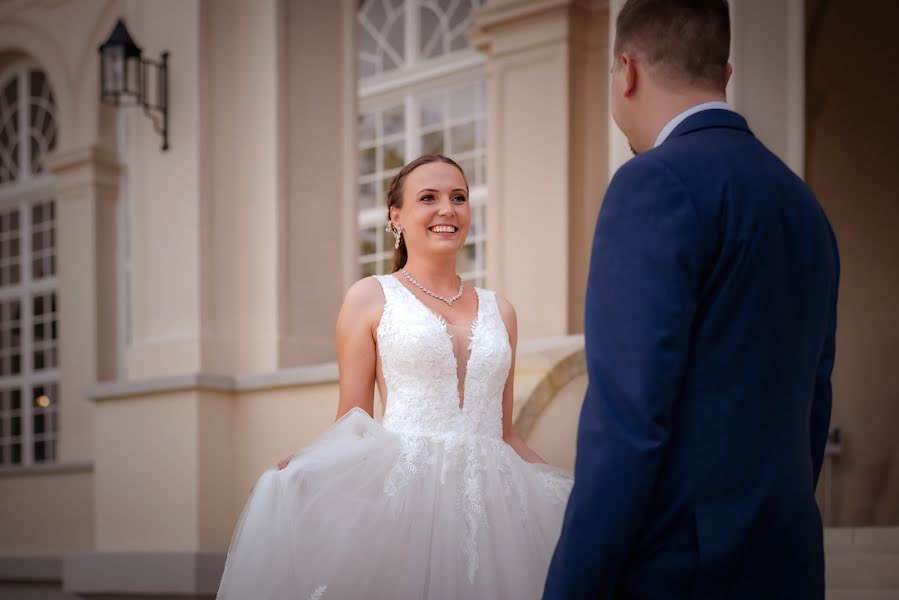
442 500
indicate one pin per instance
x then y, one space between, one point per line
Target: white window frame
22 194
404 86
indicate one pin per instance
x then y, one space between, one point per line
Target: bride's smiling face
435 214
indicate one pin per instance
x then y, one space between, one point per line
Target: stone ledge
30 569
143 573
62 468
211 382
863 571
548 350
861 540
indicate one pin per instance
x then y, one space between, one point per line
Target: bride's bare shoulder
364 298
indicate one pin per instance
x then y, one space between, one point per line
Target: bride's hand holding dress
441 499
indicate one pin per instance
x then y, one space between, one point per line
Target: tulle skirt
364 512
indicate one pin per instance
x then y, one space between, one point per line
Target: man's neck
670 106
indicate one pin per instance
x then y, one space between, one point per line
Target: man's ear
728 71
628 63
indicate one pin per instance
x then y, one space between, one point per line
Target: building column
86 190
321 244
547 164
768 84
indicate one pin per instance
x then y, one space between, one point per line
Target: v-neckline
460 398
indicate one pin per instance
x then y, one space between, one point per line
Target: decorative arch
542 395
19 42
28 121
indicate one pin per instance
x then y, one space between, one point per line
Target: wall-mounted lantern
126 77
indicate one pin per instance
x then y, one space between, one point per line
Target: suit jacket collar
710 119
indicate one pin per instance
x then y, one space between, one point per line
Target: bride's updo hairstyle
395 197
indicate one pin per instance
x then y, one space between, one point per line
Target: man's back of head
669 56
684 43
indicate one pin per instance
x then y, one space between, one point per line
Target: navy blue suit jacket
710 319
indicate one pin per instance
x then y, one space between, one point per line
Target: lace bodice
421 371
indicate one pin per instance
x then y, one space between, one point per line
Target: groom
710 321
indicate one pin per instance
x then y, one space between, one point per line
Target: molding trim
64 468
562 372
225 384
324 373
30 569
115 390
143 573
83 169
489 17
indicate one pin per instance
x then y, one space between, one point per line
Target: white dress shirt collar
673 123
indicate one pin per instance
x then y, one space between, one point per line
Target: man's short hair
685 43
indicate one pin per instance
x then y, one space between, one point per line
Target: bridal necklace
449 301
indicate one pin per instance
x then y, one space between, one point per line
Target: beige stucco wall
272 424
47 513
852 131
554 435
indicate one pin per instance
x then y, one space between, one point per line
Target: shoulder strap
388 285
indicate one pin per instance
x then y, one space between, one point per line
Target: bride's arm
509 435
356 352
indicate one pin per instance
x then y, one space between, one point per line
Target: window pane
42 108
368 269
394 120
463 102
367 195
367 240
367 161
10 132
430 29
366 128
40 453
466 262
462 137
394 155
468 169
431 110
432 143
381 36
477 222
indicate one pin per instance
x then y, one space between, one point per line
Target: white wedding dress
431 504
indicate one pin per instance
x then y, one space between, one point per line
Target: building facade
167 316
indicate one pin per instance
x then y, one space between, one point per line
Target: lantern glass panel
114 71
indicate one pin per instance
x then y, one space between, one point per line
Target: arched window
29 357
421 91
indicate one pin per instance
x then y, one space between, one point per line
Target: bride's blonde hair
395 197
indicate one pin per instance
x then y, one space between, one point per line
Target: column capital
510 14
82 169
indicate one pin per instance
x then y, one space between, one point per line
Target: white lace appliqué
420 371
319 593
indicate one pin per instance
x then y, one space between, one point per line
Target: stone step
861 595
861 540
864 571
